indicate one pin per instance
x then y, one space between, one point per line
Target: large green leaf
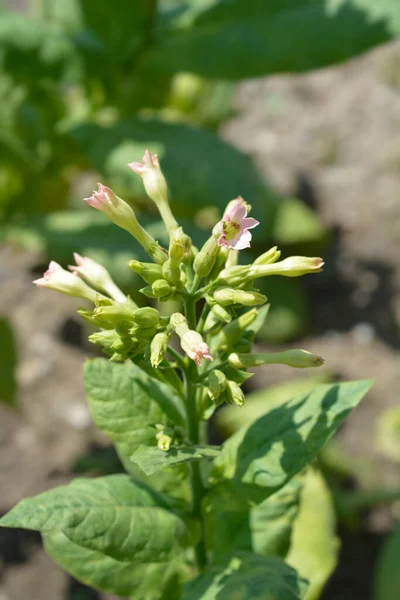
265 529
115 515
247 576
253 38
387 574
150 581
153 459
201 170
229 419
8 364
32 50
261 458
126 403
314 547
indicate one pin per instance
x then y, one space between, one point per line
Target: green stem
193 431
202 320
178 357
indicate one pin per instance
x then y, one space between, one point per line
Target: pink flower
149 161
57 278
235 226
194 346
103 199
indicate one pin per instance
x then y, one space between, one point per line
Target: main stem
196 482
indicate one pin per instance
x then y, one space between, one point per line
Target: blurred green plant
8 364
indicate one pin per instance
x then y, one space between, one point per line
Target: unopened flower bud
164 442
57 278
149 272
230 334
170 273
205 259
221 313
146 317
299 359
161 288
143 333
116 313
97 276
156 186
122 215
269 257
294 266
235 394
227 296
234 275
158 348
180 247
90 317
106 339
217 383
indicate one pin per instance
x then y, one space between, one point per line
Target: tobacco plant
188 520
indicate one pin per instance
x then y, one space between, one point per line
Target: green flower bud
106 339
220 262
235 394
294 266
234 331
221 313
170 273
115 314
268 257
180 247
299 359
149 272
146 317
143 333
217 383
234 275
158 348
161 288
90 317
205 259
227 296
164 442
147 291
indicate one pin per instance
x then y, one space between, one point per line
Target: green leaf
153 459
8 364
271 522
314 548
201 169
265 529
126 403
148 581
261 458
247 576
253 38
387 574
33 50
115 515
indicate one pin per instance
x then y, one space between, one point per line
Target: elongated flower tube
299 359
294 266
235 226
122 215
97 276
155 186
57 278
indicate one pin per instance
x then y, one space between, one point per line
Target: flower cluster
209 276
